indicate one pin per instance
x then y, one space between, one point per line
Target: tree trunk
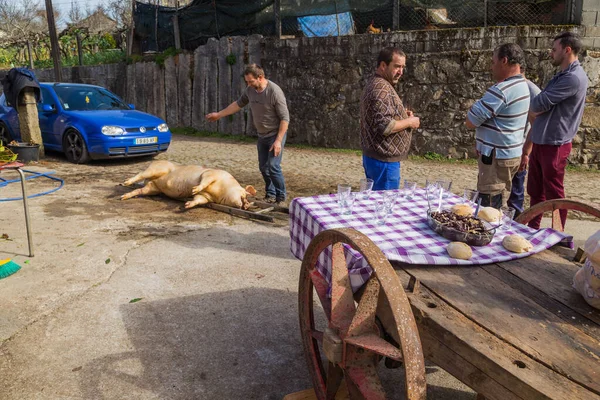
28 119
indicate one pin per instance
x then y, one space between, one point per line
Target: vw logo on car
142 129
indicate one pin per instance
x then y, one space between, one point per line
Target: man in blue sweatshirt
558 110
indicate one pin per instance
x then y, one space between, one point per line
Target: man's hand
524 162
276 147
413 122
212 117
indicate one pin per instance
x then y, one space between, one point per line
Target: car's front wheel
5 137
75 148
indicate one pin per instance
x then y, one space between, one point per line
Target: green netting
203 19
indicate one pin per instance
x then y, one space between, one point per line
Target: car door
48 120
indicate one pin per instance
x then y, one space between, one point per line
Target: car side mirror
131 106
47 108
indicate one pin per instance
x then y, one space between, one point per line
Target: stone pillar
590 18
28 119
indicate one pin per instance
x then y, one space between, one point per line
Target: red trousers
545 180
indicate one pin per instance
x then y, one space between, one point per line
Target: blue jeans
385 175
270 167
517 192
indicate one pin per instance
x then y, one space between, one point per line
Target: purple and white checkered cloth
404 237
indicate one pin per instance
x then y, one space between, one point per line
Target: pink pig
204 185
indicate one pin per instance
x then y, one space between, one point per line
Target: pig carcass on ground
203 185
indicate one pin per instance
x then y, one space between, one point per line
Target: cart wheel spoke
321 286
364 319
342 299
363 382
334 378
375 344
317 335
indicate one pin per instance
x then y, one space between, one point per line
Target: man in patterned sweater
385 125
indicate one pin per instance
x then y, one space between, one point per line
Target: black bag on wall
15 81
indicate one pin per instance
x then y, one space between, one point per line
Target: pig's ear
250 190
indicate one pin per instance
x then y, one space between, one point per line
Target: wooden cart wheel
554 206
352 343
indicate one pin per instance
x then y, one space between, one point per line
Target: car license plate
146 140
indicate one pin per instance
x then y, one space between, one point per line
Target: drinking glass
445 186
389 198
471 195
343 194
409 189
347 204
432 189
508 213
366 186
382 211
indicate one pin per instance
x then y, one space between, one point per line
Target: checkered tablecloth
404 237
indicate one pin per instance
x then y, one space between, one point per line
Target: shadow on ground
241 344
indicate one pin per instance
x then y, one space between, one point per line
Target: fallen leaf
76 369
26 261
259 276
107 261
80 244
135 300
5 236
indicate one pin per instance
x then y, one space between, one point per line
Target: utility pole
53 41
79 49
29 54
176 26
277 13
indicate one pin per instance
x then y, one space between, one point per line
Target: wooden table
17 167
512 330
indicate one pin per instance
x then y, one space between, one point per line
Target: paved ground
217 316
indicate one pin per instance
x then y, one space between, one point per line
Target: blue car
89 122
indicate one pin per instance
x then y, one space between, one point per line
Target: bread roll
490 214
517 244
462 209
459 250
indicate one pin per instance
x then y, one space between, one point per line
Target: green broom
8 267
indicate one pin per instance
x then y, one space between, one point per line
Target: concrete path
217 315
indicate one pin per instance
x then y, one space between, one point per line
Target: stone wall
447 70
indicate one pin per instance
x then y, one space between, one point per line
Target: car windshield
86 98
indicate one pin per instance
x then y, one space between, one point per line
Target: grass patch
441 160
582 169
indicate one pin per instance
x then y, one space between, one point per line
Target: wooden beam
239 213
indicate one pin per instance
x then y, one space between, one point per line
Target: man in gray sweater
271 119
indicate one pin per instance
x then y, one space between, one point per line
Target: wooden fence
189 86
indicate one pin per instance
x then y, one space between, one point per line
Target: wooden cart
510 330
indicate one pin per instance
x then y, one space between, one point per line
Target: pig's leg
205 182
155 170
148 190
197 201
137 178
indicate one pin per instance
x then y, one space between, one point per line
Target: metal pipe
26 207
